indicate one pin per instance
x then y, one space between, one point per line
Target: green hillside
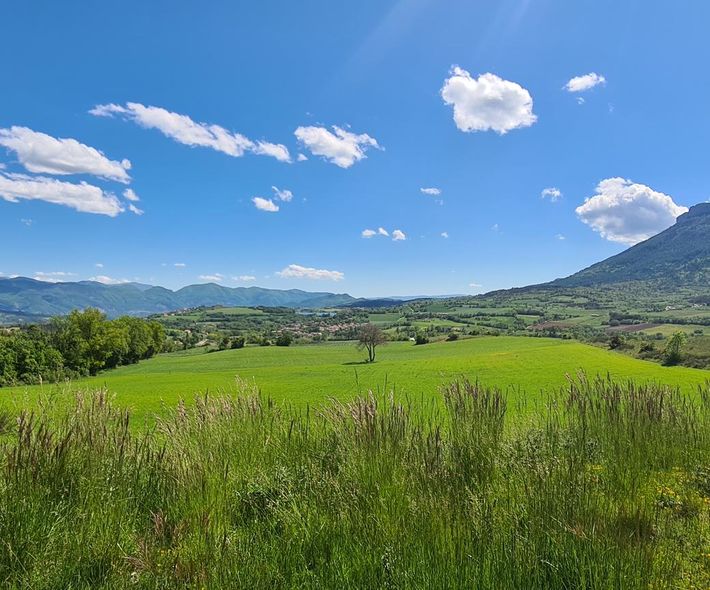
678 256
312 374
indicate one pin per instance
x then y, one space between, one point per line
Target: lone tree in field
369 338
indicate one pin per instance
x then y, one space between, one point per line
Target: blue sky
489 102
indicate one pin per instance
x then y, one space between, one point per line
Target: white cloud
82 197
586 82
282 195
265 204
432 191
53 277
340 147
444 234
475 285
487 103
2 166
296 271
302 157
27 222
42 153
625 212
215 278
109 280
133 209
275 150
130 195
99 265
560 237
179 265
368 233
398 235
244 278
184 130
552 193
495 227
382 231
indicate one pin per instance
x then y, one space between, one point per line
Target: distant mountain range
676 257
23 299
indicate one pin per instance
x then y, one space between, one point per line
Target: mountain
28 299
676 257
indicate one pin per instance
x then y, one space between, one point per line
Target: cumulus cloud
215 278
444 234
583 83
432 191
133 209
265 204
340 147
296 271
44 154
244 278
560 237
99 265
382 231
626 212
109 280
184 130
398 235
282 195
551 193
302 157
82 197
487 103
53 277
368 233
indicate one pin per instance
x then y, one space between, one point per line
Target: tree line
79 344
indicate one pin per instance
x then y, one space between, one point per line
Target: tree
672 354
284 339
369 338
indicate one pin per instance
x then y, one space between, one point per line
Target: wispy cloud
183 129
398 235
44 154
431 191
214 278
551 193
339 147
265 204
585 82
54 277
296 271
82 197
106 280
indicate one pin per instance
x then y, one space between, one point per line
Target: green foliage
421 338
607 487
674 348
284 339
82 343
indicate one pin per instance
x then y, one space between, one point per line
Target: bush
284 339
421 339
237 342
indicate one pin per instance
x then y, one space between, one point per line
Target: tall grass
609 487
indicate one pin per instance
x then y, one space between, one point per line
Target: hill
24 299
676 257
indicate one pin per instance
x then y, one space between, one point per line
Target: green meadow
312 374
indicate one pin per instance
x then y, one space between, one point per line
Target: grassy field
607 489
312 374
